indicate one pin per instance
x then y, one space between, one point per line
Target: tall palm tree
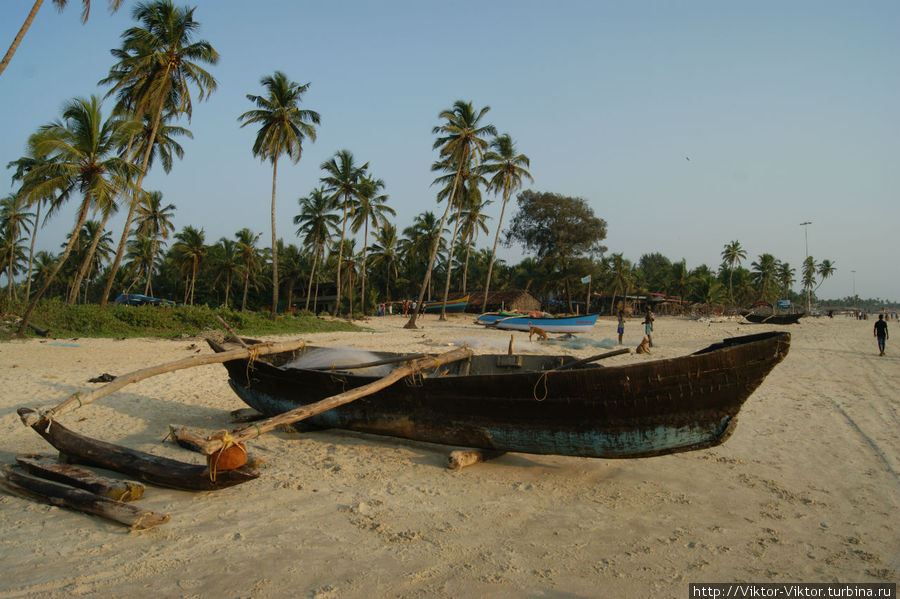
473 220
94 235
139 261
226 262
248 255
60 4
283 126
159 62
386 251
461 142
14 219
80 151
508 169
621 277
371 208
99 252
316 225
785 275
344 181
154 221
23 166
764 274
190 250
12 255
732 255
293 267
419 238
824 269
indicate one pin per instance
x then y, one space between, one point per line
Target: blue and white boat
548 323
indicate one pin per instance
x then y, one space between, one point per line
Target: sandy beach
805 490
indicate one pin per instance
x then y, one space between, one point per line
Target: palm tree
94 234
825 269
100 251
139 261
386 251
343 180
732 256
508 170
316 224
785 275
153 220
621 278
293 267
283 127
248 255
371 208
419 238
763 274
12 255
473 221
461 142
60 4
159 61
80 151
679 279
14 219
226 262
189 251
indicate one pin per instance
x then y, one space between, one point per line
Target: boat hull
636 410
454 306
774 318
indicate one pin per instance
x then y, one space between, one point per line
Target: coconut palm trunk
337 303
450 261
82 216
18 39
88 260
145 161
37 221
487 284
411 324
312 274
153 248
274 244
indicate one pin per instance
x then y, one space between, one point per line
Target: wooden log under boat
155 470
526 403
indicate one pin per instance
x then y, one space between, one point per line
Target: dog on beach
541 333
644 347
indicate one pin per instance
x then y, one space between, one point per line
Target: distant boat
454 305
550 324
135 299
773 318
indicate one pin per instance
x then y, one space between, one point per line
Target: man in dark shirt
881 333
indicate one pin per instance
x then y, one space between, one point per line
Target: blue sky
685 125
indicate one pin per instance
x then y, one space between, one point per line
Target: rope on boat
541 379
227 443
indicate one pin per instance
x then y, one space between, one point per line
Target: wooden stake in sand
77 400
246 433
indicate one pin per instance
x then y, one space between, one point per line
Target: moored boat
547 322
534 403
454 305
773 318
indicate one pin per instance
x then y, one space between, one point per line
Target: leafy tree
508 169
557 229
653 272
461 141
248 255
226 262
158 63
621 278
386 251
418 239
283 128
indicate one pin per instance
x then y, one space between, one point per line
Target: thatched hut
507 299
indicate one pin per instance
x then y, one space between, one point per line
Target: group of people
405 308
648 326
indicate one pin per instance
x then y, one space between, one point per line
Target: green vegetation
88 320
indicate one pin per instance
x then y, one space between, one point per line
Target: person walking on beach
648 326
881 333
621 328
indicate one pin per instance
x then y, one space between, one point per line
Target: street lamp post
805 226
854 289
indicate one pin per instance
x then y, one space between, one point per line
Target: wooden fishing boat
773 318
549 323
454 305
534 403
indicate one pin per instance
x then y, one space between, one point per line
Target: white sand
805 490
